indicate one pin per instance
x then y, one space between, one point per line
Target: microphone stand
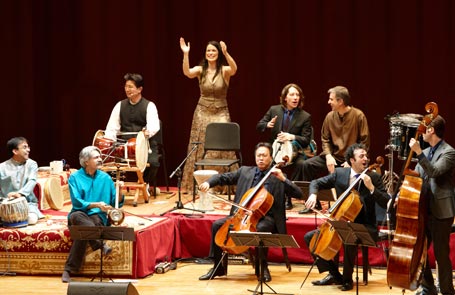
7 272
178 172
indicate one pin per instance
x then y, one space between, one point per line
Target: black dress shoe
266 276
213 273
289 206
328 280
427 291
346 286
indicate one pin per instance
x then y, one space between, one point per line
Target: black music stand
355 234
79 232
263 240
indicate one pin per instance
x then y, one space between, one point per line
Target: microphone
196 142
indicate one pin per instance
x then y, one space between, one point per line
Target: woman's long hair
220 62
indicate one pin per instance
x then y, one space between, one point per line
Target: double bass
408 251
327 243
254 204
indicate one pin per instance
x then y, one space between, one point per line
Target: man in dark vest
134 114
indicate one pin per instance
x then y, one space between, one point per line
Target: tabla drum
14 213
133 152
52 192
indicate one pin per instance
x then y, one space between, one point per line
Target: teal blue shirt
86 189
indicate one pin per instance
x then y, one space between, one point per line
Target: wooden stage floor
184 280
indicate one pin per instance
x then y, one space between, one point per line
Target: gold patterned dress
212 107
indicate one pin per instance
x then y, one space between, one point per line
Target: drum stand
389 180
178 172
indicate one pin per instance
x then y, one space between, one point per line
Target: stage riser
43 251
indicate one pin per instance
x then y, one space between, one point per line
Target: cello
408 251
327 243
254 204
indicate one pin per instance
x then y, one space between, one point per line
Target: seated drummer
371 191
133 114
18 177
93 194
343 126
289 122
274 221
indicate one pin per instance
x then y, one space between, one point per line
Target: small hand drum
205 200
14 213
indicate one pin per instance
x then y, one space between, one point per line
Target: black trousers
350 254
77 252
438 232
266 224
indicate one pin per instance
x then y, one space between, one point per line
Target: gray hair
87 153
342 93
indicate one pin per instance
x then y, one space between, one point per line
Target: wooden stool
140 186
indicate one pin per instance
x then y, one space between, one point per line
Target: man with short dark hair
246 177
436 167
18 178
371 190
133 114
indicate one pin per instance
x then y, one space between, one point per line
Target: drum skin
14 213
53 193
133 152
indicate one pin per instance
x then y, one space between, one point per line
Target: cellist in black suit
371 191
245 178
436 167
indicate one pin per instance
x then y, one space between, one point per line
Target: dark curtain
63 63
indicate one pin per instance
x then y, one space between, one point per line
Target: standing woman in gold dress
213 73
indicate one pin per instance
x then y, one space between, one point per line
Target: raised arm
187 71
231 68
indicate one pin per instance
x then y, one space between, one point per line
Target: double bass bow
327 243
408 251
254 204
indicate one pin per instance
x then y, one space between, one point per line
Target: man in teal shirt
92 194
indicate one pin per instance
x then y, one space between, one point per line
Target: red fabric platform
43 248
195 240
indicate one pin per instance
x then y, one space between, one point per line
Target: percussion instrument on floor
52 191
14 213
403 127
205 200
132 152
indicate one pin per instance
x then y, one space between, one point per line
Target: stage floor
184 281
